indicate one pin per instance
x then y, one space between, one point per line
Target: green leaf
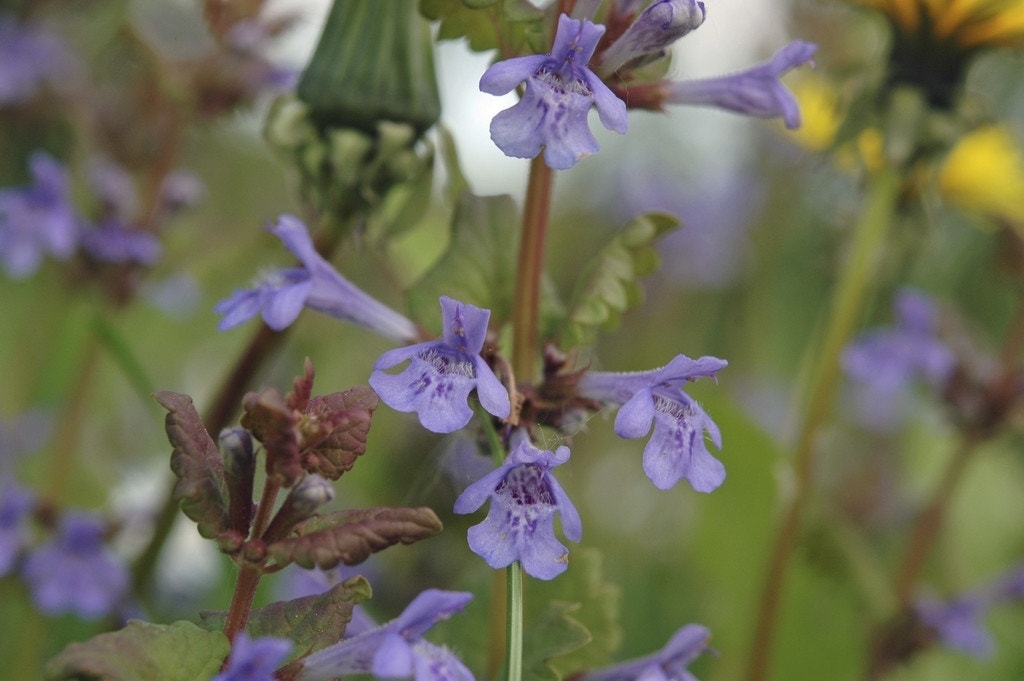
554 633
169 652
479 267
457 184
596 605
486 24
350 537
609 284
201 489
312 622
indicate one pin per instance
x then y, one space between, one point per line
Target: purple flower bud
521 522
281 295
753 92
668 664
657 27
396 649
75 571
560 89
441 373
115 188
676 450
37 220
181 189
254 659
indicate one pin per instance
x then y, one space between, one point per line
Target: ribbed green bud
374 62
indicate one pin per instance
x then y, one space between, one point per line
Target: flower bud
239 457
374 62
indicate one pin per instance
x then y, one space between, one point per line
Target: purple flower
676 450
396 649
668 664
884 362
29 57
560 89
254 659
521 522
16 503
651 33
37 220
181 189
753 92
75 572
281 295
958 624
441 373
113 241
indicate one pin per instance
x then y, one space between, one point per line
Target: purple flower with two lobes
396 650
521 522
281 295
75 571
254 659
668 664
441 373
676 450
651 33
560 89
756 91
39 219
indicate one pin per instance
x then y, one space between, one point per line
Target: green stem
847 305
530 267
514 628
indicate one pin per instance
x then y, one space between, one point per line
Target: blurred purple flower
958 624
181 189
115 242
254 659
114 187
396 649
38 219
652 32
16 504
756 91
75 572
282 294
883 363
248 40
29 57
560 89
441 373
676 450
668 664
520 524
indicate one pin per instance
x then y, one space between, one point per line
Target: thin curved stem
847 305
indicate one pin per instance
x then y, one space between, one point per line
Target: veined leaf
312 622
170 652
350 537
609 284
201 488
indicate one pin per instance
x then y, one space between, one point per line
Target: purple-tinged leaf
311 622
201 489
171 652
345 418
271 421
350 537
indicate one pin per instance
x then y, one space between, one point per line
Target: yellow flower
984 173
966 24
819 111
